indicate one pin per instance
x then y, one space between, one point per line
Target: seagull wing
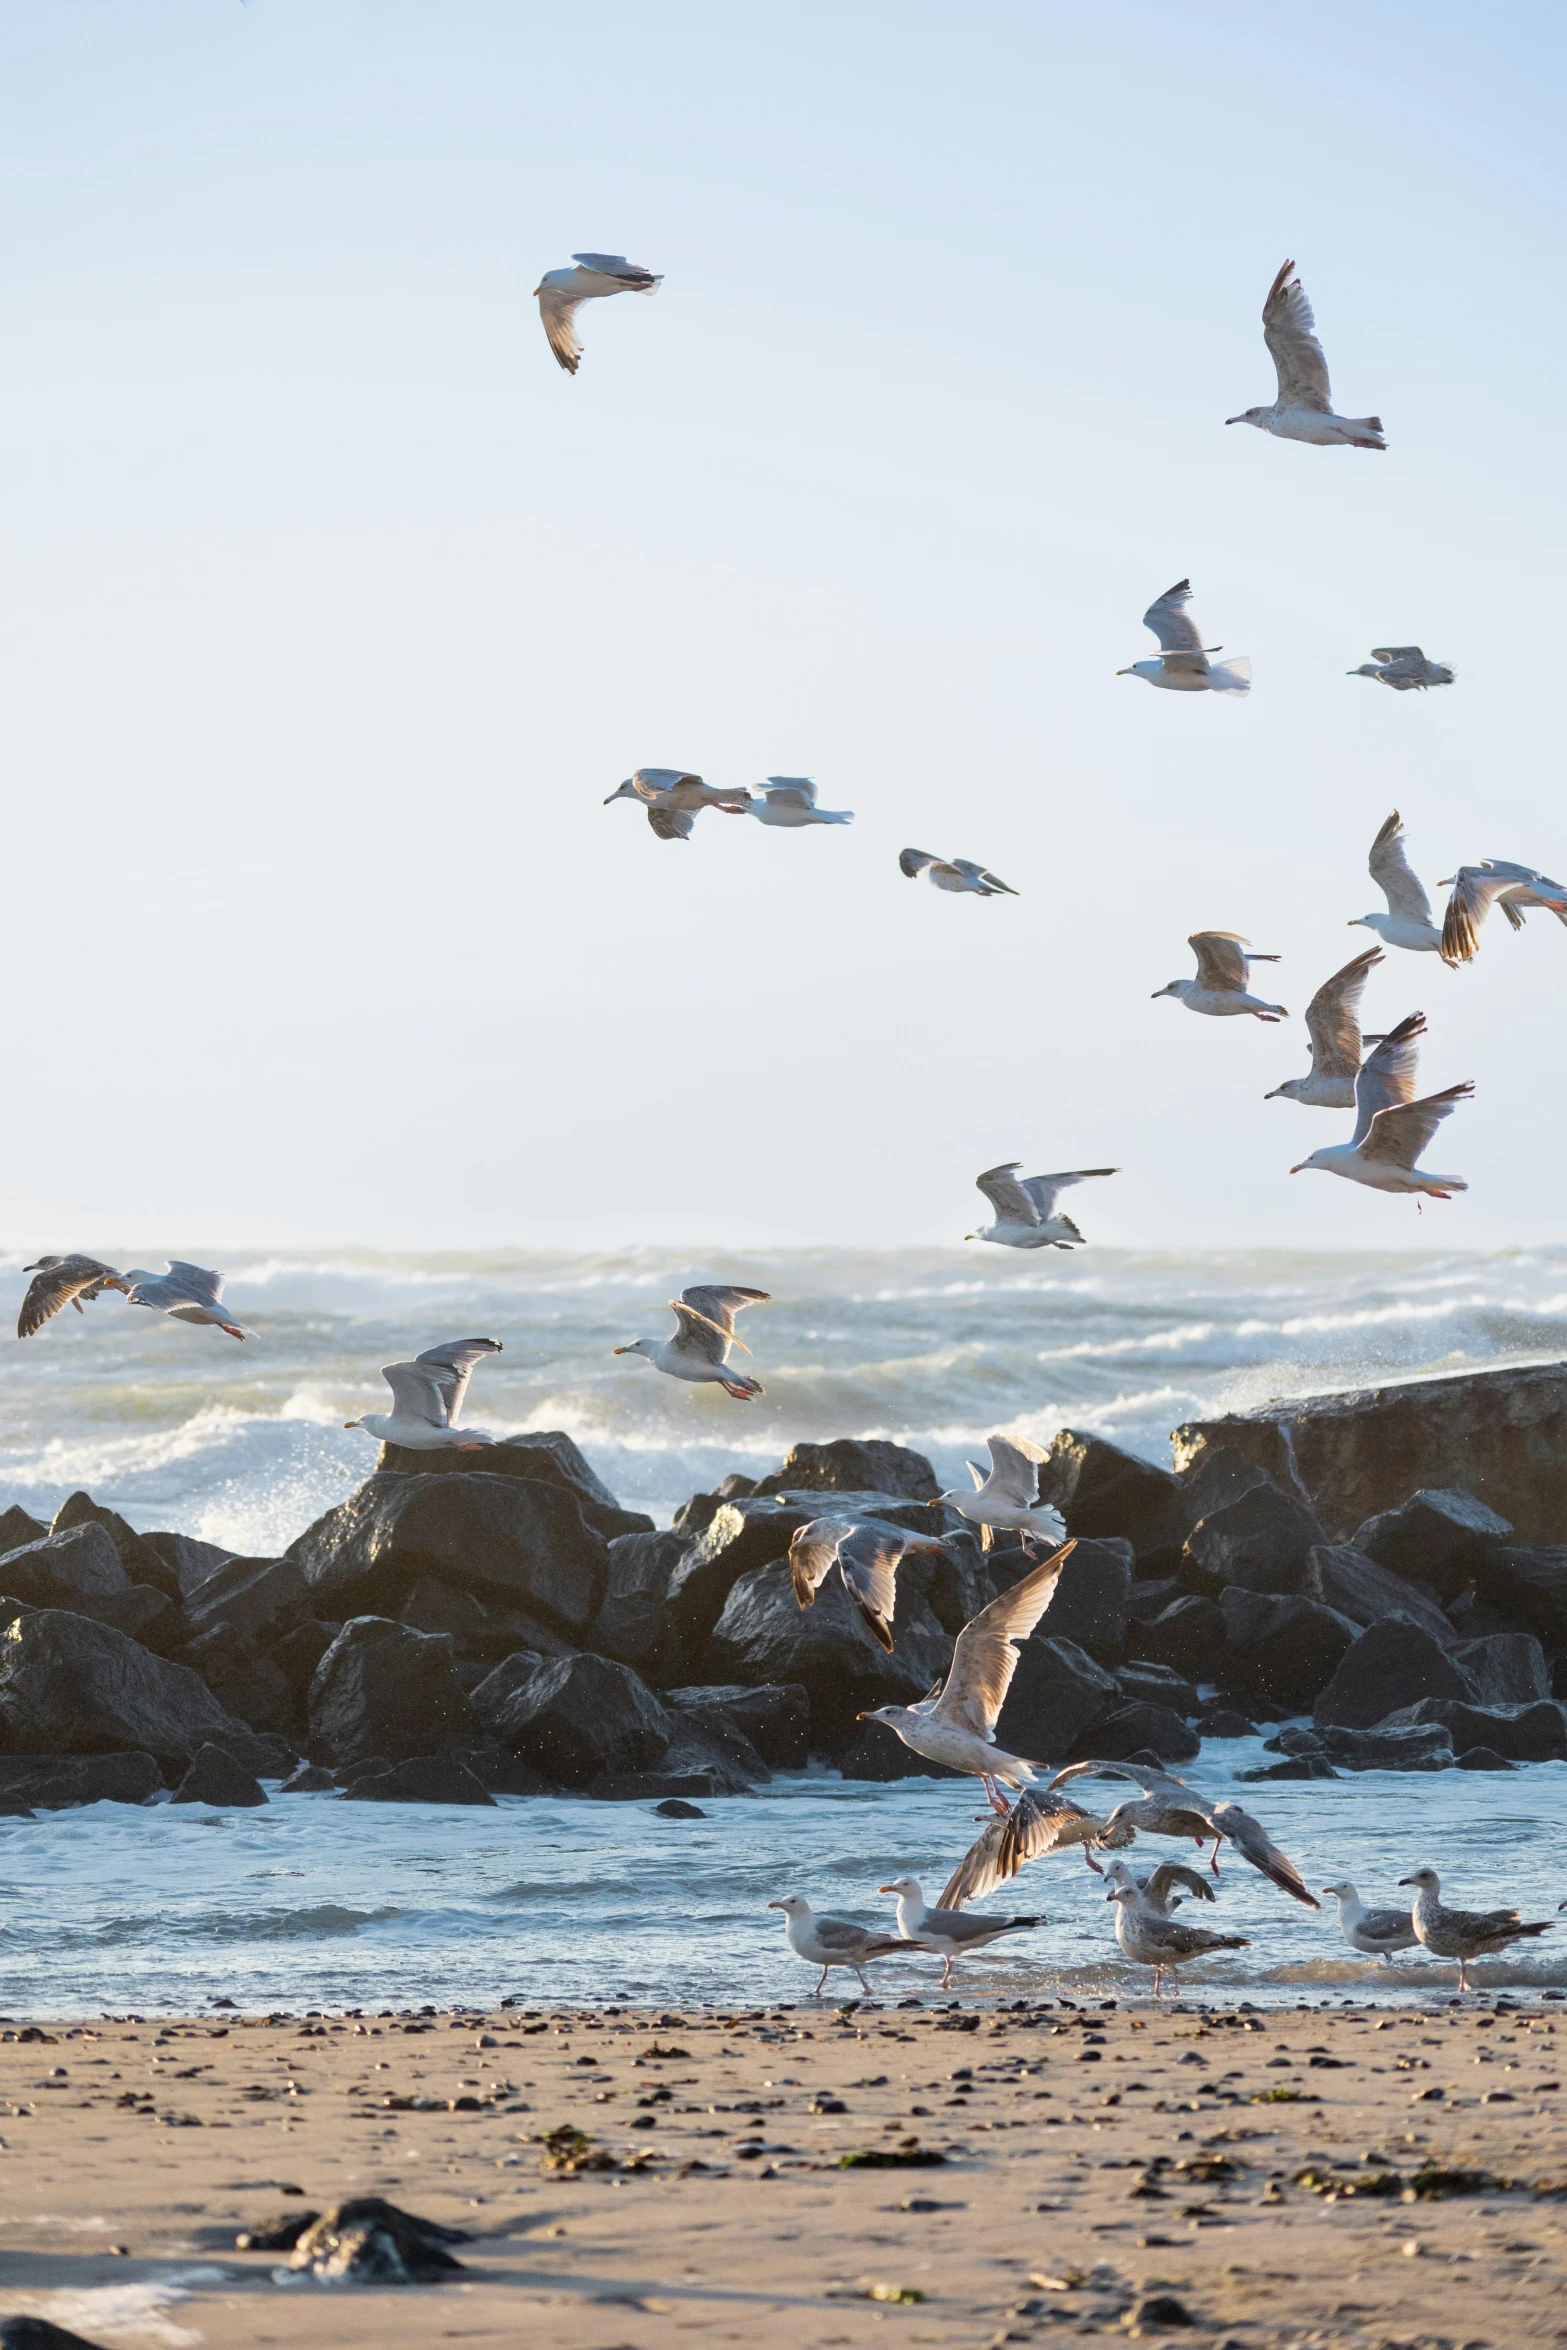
706 1315
652 783
1170 621
1395 878
449 1367
1221 958
1397 1137
1032 1829
672 823
1396 653
59 1282
1477 888
199 1283
1162 1883
1010 1198
868 1559
984 1658
632 277
1387 1079
812 1550
417 1393
1297 355
1333 1018
842 1934
558 310
1153 1781
1253 1843
793 787
914 862
1014 1471
1045 1190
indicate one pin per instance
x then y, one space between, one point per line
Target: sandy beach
1218 2173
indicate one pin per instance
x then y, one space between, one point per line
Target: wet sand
1252 2166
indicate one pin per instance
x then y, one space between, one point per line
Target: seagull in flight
1407 922
674 799
1403 667
1333 1025
959 874
1025 1210
188 1292
1303 410
1477 888
867 1558
1391 1127
63 1281
1035 1827
789 802
1224 961
427 1396
1008 1494
699 1350
1172 1808
561 292
1184 666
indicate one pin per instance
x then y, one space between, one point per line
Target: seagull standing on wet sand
63 1281
427 1395
1391 1127
1464 1934
959 874
789 803
1026 1208
188 1292
674 799
1375 1933
1151 1938
829 1942
561 292
1184 666
1303 410
948 1932
956 1724
1007 1499
867 1557
1477 888
1223 969
1172 1808
1333 1025
1403 667
699 1350
1407 922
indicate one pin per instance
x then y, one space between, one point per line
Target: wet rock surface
383 1689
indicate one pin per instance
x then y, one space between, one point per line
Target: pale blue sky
332 608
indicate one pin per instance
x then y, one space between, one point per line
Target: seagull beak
1235 420
862 1717
775 1905
1301 1169
1406 1880
350 1423
1123 673
620 1350
886 1888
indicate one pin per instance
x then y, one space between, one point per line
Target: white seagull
63 1281
829 1942
674 799
1184 666
427 1395
1035 1827
1333 1025
188 1292
948 1932
1477 888
1407 922
956 1724
1404 668
1007 1499
1464 1934
1026 1207
1303 410
1375 1933
789 803
1224 965
699 1350
959 874
561 291
867 1557
1150 1937
1391 1127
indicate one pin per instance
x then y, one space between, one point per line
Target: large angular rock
1443 1537
697 1511
1508 1668
878 1753
545 1455
185 1562
1531 1585
852 1464
1389 1666
1219 1477
1188 1636
775 1718
1346 1579
77 1564
1092 1601
634 1622
215 1777
1524 1733
515 1539
1103 1491
139 1555
1158 1684
708 1738
249 1685
58 1782
1415 1746
1260 1541
576 1718
1140 1728
424 1778
1501 1435
382 1689
260 1599
19 1527
142 1614
298 1653
764 1636
1057 1694
479 1633
740 1536
1280 1651
71 1686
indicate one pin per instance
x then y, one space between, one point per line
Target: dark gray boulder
215 1777
1509 1668
480 1633
72 1686
1138 1729
1390 1665
1297 1766
697 1512
247 1684
424 1778
852 1464
1188 1638
1092 1600
59 1782
297 1655
491 1698
139 1555
775 1718
1219 1477
1260 1541
309 1778
383 1689
1530 1584
1279 1651
40 2333
1057 1694
79 1563
708 1738
142 1614
1151 1595
1481 1758
740 1536
878 1753
577 1719
1155 1684
547 1456
184 1560
500 1773
1348 1580
1414 1746
516 1539
764 1636
1525 1733
262 1599
19 1527
1104 1491
634 1622
1441 1536
1225 1722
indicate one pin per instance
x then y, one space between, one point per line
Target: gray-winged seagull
1035 1827
1164 1887
1150 1938
1464 1934
958 874
1403 667
1172 1808
1494 882
1184 665
1224 961
427 1395
561 292
1025 1207
1006 1498
1391 1127
63 1281
1303 410
789 803
1407 922
867 1557
1333 1026
950 1933
699 1350
828 1942
1375 1933
190 1293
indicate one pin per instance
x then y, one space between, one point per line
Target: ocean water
312 1902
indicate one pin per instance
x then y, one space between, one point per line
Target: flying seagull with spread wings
1006 1499
1391 1127
561 293
1224 961
699 1350
1477 888
1407 922
427 1395
1035 1827
1185 665
958 874
867 1557
1403 667
1169 1807
1025 1207
788 803
60 1282
674 799
190 1293
1303 410
1333 1025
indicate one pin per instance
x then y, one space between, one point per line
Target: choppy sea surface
312 1902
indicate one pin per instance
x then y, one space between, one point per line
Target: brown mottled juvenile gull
1407 922
1165 1886
950 1933
705 1332
1391 1127
828 1942
1403 667
1035 1827
190 1293
63 1281
427 1395
1025 1207
1303 410
674 799
1150 1938
1375 1933
1464 1934
867 1557
1224 961
1333 1025
959 874
1172 1808
561 292
1493 882
1185 665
